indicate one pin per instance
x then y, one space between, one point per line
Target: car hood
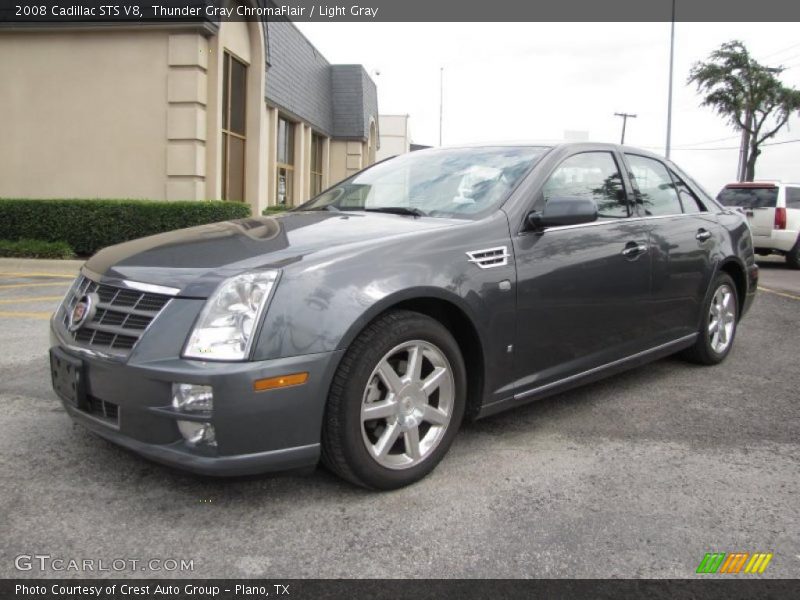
195 260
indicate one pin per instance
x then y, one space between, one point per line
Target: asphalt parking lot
636 476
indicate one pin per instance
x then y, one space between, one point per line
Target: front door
582 289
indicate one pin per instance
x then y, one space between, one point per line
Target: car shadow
772 264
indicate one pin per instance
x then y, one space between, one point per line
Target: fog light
196 433
191 398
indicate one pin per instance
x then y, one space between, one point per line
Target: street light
669 93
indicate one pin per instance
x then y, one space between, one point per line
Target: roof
340 101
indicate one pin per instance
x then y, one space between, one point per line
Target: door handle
633 249
703 235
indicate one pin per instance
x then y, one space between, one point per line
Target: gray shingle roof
338 100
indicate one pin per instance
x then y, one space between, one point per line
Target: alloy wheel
407 404
722 319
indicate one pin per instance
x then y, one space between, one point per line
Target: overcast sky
531 81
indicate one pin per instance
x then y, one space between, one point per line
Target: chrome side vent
490 257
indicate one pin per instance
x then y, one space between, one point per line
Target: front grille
121 317
102 409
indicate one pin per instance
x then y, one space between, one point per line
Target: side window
656 193
592 175
688 199
793 197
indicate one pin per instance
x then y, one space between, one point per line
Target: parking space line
25 315
4 274
29 299
23 285
777 293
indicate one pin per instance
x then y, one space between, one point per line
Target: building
395 136
240 111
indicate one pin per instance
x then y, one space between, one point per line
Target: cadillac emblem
83 311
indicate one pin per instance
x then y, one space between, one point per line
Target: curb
40 266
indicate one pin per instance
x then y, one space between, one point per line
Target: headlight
228 322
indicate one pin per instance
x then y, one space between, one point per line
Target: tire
376 404
716 335
793 256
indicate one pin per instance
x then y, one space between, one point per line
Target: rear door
757 201
683 239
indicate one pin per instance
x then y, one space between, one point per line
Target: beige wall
244 41
346 158
187 102
137 114
72 126
394 134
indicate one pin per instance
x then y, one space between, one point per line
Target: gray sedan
364 326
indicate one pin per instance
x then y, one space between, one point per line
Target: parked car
363 326
773 210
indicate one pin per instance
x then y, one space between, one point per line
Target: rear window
749 197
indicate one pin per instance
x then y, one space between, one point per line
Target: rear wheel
718 329
793 256
396 402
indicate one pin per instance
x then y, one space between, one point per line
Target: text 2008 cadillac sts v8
363 326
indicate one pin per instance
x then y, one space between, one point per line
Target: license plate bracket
68 375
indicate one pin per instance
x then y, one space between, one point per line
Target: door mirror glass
564 210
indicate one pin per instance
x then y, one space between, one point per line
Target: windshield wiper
398 210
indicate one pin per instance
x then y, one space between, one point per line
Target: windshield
459 182
749 197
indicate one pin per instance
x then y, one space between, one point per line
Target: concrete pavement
636 476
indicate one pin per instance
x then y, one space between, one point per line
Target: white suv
773 210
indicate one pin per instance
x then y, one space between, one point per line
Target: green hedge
273 210
35 249
89 225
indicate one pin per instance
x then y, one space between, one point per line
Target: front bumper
256 432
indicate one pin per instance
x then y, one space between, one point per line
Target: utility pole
625 117
441 101
669 93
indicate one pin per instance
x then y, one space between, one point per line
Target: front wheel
396 402
715 338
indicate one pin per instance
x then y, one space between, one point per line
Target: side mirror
564 210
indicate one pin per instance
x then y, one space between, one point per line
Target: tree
747 94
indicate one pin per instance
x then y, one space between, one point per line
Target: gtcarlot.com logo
46 562
734 562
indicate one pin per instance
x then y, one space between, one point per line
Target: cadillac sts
361 328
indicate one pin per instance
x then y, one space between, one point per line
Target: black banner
42 12
394 589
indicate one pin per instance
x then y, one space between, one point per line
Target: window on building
590 175
317 143
285 162
234 88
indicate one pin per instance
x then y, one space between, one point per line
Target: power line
781 51
725 147
737 147
730 137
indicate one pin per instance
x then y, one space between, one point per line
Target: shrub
89 225
275 209
35 249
